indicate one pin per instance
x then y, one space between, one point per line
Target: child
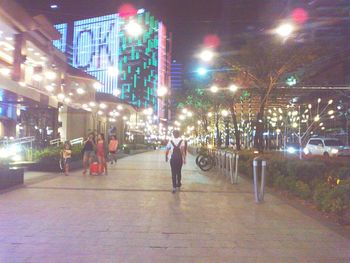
67 155
113 147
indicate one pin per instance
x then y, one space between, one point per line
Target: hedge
325 182
53 153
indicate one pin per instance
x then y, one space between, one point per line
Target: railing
58 141
23 140
77 141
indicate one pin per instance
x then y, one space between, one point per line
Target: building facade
130 67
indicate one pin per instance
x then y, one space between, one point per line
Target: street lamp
133 29
233 88
202 71
285 30
214 89
224 113
162 91
206 55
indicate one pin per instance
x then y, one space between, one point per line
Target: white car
328 147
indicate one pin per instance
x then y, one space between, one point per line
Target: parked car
292 148
329 147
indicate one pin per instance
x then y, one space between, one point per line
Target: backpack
176 155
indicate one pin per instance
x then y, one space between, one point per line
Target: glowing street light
224 113
182 117
214 89
133 29
202 71
162 91
206 55
233 88
285 30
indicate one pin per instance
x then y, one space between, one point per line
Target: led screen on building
95 49
61 44
135 65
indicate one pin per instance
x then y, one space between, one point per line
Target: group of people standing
99 149
93 150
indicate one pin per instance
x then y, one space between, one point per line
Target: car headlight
334 151
306 151
291 150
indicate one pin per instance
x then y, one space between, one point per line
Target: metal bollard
234 171
259 193
228 160
222 167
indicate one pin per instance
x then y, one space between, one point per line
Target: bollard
228 160
234 171
259 193
221 157
236 168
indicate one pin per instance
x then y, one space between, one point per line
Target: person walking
178 157
102 151
112 148
88 152
67 155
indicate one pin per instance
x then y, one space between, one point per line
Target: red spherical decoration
127 10
300 15
211 41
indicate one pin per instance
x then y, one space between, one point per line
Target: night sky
188 20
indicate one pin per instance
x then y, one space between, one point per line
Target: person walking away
88 152
102 151
67 155
112 148
177 159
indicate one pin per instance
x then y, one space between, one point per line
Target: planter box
11 177
53 166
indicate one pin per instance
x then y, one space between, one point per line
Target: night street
132 216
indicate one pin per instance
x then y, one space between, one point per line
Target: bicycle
206 160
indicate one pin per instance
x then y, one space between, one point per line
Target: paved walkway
131 216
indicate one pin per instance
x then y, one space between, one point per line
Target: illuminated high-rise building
131 65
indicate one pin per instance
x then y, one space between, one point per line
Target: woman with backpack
177 158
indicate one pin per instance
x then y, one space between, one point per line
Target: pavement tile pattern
132 216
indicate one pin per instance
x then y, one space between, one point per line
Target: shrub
303 190
326 181
53 154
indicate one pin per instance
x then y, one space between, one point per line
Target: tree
194 99
261 66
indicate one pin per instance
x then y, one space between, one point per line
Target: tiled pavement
131 216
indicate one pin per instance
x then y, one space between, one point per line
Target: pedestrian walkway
132 216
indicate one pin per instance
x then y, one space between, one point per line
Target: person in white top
177 158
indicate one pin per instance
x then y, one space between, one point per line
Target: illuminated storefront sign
95 49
